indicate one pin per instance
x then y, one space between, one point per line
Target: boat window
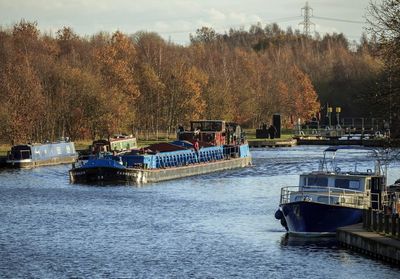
317 181
347 184
214 126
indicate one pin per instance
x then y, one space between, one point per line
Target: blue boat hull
102 174
309 218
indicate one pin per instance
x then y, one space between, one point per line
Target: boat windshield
347 184
317 181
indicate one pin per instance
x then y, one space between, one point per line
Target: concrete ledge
369 243
272 143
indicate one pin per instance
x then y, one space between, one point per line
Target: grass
4 148
251 135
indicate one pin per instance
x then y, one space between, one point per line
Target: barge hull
141 176
28 164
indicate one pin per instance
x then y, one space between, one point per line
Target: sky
175 19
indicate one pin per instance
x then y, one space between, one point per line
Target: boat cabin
356 182
346 189
214 132
118 143
20 152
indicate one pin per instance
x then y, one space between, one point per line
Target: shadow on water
322 242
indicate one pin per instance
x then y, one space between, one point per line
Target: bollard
386 223
375 220
395 219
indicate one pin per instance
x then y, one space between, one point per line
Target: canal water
213 226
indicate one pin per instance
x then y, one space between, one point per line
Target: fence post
369 217
398 226
375 220
364 218
395 219
386 223
380 222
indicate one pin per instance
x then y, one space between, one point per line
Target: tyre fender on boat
279 215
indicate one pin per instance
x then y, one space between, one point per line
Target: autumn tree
116 67
384 24
21 90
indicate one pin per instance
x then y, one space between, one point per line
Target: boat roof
341 174
341 147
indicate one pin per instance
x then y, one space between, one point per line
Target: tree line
91 87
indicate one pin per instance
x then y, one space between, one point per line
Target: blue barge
35 155
171 160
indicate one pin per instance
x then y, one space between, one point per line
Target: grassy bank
251 135
144 141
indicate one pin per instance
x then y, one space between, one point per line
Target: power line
339 20
277 20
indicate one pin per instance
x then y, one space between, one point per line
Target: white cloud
216 15
178 17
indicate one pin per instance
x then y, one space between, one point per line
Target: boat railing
325 195
385 200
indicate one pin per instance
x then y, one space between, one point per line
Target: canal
213 226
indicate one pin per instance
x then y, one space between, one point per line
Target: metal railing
347 127
325 195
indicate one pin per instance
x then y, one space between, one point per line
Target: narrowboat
35 155
209 146
330 197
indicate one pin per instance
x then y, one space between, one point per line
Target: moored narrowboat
35 155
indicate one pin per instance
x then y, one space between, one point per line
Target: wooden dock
272 143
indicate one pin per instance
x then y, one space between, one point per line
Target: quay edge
272 143
369 243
